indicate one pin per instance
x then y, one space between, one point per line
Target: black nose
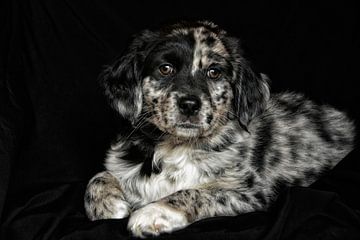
189 105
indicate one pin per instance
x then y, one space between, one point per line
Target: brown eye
166 69
213 73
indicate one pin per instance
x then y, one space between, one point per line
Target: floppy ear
122 79
251 93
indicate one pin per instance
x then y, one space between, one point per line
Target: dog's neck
150 146
223 136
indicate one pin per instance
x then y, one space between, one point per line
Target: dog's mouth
187 129
188 125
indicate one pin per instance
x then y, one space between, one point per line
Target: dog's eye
166 69
213 73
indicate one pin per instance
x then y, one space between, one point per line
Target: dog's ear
251 90
122 79
251 94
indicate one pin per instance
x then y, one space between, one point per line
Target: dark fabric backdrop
55 124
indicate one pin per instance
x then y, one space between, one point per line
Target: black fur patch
142 154
317 118
262 145
222 200
297 182
209 118
243 150
210 41
291 107
295 147
275 159
244 197
260 197
250 180
310 174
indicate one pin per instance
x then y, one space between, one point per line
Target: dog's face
187 79
187 83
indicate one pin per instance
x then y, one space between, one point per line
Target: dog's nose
189 105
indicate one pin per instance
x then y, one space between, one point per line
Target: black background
55 124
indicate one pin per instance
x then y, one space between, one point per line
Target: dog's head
187 79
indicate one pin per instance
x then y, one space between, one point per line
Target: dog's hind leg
104 198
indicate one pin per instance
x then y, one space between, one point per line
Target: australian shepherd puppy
208 138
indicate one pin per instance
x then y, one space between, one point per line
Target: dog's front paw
104 198
156 218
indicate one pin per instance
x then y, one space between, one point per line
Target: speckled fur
247 143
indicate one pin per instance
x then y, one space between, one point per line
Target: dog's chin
187 130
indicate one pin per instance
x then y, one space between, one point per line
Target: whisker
161 135
136 128
232 113
140 123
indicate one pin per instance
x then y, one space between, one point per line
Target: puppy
207 138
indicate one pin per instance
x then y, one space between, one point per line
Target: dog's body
208 139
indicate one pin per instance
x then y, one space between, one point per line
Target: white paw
156 218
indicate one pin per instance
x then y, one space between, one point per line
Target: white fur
178 172
122 108
122 209
156 218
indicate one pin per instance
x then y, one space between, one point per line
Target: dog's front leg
184 207
104 198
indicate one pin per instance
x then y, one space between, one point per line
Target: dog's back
296 140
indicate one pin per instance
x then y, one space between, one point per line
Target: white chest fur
180 169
